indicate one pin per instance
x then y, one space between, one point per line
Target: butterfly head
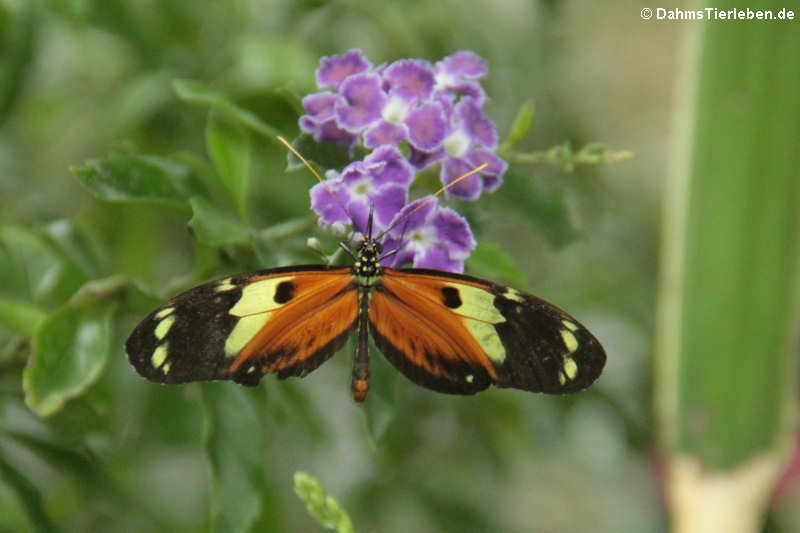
367 265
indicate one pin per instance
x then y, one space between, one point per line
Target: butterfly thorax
367 267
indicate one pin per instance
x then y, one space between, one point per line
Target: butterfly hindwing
286 321
459 334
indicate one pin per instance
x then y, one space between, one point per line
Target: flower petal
324 201
386 165
410 78
468 188
469 88
453 231
385 133
480 128
358 209
320 105
493 173
363 101
405 255
388 201
326 131
414 221
333 70
437 257
463 64
427 126
421 160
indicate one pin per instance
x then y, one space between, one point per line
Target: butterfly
447 332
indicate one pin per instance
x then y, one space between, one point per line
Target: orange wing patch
320 309
423 338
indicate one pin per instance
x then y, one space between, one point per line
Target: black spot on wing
451 297
284 292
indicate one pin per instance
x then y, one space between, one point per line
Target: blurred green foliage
137 159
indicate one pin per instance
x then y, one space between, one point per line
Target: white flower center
456 144
420 239
443 80
395 111
362 187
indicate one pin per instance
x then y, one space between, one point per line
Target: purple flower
394 107
381 180
458 72
321 121
431 237
470 143
333 70
436 111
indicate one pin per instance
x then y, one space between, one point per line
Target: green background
81 80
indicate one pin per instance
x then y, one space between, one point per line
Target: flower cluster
434 113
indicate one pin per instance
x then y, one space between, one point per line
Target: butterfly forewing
492 334
286 320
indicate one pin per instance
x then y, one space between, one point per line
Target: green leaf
235 444
17 45
33 271
538 202
229 147
324 509
520 127
21 317
76 242
139 178
492 261
197 93
215 227
28 495
70 348
325 155
728 326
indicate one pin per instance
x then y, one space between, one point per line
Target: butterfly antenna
369 220
316 174
431 197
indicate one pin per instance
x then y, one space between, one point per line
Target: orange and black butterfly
447 332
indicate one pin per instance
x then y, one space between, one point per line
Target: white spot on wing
224 285
569 325
159 355
163 327
164 312
514 294
569 339
570 367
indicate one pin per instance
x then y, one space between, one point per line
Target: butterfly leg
361 359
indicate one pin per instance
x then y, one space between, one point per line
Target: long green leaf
727 332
